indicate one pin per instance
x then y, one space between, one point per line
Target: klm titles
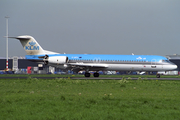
31 47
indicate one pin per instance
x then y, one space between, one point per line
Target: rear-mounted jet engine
55 60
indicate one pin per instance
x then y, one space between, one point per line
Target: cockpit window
166 61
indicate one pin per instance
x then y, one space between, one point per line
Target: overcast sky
148 27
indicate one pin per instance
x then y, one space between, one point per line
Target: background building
21 64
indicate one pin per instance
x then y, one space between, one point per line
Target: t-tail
31 46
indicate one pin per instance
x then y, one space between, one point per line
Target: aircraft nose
175 66
170 67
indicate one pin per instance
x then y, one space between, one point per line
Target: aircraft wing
103 66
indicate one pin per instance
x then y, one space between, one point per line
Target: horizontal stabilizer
21 37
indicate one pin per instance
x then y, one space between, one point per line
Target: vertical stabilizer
30 45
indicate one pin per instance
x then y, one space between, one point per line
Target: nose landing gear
158 76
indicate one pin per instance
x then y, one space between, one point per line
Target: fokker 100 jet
94 62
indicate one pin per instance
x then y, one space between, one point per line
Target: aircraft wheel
96 74
87 74
158 76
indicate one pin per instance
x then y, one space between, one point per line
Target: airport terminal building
21 65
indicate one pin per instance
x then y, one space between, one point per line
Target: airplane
94 62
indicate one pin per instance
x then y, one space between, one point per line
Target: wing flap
89 65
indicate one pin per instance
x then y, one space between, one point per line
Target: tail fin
31 46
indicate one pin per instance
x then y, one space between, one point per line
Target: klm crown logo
31 46
32 43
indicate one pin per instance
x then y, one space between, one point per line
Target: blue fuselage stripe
147 58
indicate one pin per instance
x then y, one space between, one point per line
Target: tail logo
31 46
32 43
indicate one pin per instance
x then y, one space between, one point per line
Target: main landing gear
87 74
96 74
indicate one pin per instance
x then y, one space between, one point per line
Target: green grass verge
89 99
76 75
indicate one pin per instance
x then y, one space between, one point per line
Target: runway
91 78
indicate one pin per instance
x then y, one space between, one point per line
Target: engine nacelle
56 60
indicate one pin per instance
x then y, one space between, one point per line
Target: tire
158 76
96 74
87 74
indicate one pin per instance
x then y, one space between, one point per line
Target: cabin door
153 63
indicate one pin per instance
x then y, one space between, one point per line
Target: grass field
89 99
76 75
